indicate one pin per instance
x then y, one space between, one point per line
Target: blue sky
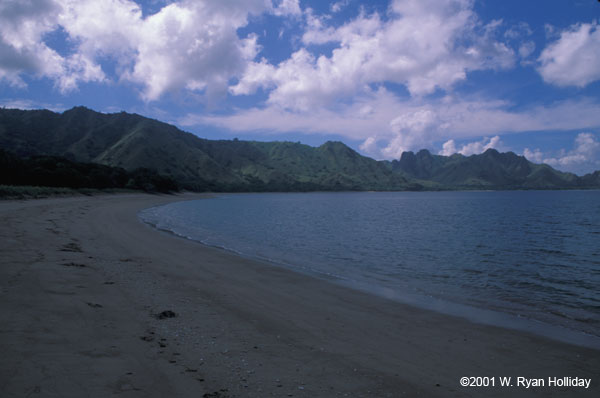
382 76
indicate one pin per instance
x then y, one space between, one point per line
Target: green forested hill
132 141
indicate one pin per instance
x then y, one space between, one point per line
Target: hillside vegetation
58 172
132 142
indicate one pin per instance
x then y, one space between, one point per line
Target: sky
383 76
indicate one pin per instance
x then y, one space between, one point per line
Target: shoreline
471 313
84 284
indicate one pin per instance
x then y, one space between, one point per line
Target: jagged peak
337 146
491 151
79 108
334 144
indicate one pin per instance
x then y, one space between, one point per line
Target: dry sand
83 283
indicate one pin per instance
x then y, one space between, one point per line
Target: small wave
554 252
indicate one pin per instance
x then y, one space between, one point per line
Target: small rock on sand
165 314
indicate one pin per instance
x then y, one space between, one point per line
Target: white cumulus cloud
410 130
586 149
23 24
471 148
424 45
583 157
369 146
574 58
184 45
535 156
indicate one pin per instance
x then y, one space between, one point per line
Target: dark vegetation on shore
57 172
81 148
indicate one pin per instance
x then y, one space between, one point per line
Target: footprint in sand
71 247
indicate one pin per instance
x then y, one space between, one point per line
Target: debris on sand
78 265
165 314
216 394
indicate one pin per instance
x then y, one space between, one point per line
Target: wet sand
94 303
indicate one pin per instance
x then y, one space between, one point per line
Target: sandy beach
94 303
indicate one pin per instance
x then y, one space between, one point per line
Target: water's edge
473 314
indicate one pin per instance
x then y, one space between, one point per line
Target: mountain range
131 142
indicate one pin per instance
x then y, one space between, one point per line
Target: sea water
524 259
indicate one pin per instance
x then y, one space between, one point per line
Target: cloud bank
585 155
472 148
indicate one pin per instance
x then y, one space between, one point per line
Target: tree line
55 171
